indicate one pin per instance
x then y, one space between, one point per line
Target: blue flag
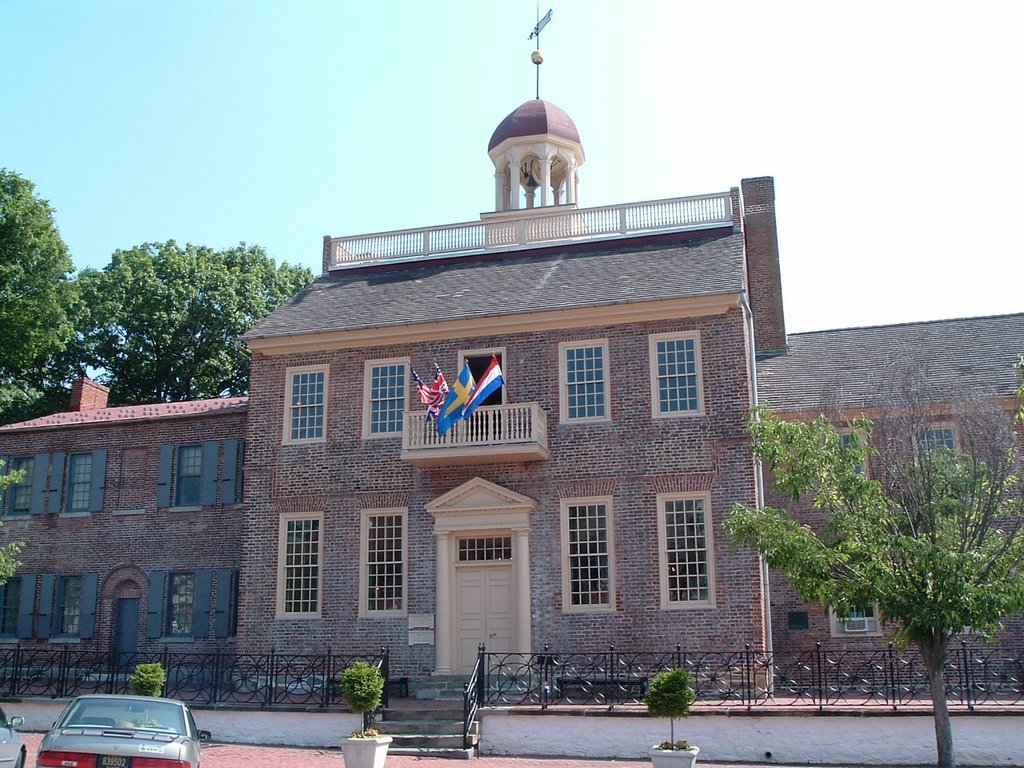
455 403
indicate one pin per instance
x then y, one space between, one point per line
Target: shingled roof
128 413
964 359
517 283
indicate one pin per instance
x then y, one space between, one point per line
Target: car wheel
20 762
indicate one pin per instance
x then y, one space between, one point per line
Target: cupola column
500 193
513 184
545 180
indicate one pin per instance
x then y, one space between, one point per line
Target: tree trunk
935 658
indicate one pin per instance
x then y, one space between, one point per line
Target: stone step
429 741
433 727
449 754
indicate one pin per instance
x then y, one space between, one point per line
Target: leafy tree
936 541
162 322
35 295
8 552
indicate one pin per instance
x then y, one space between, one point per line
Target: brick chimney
764 281
88 395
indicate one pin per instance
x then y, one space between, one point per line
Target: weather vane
537 57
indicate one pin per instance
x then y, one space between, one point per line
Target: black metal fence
824 677
264 680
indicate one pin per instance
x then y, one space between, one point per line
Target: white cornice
615 314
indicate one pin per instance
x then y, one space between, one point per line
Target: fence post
481 683
748 676
819 673
892 671
268 695
611 676
325 697
677 661
385 668
968 687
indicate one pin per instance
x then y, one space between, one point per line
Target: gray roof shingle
512 284
964 359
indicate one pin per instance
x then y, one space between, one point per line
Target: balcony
499 433
531 228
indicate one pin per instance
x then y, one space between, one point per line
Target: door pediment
478 503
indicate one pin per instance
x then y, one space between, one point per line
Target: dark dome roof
533 118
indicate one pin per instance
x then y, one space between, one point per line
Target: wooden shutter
208 479
163 484
26 605
56 483
230 483
46 604
40 466
201 606
88 624
98 481
227 588
155 609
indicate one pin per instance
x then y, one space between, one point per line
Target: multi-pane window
306 405
299 587
181 599
846 441
188 474
21 492
10 607
485 549
79 482
69 606
585 382
675 375
386 397
942 437
587 533
385 561
684 537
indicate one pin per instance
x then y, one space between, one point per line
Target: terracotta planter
365 753
674 758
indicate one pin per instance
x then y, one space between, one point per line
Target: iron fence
824 677
265 680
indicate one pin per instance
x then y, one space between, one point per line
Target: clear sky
893 129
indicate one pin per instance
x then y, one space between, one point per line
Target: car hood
118 741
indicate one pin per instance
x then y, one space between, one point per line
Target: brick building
579 507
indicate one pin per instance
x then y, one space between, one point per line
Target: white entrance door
484 608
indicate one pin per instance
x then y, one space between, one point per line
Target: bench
616 688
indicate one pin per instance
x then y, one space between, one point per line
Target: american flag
433 396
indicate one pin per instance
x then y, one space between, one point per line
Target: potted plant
362 687
670 695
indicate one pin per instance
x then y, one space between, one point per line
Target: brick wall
764 280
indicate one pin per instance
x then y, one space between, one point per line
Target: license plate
114 761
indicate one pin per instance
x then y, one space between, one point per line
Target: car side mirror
16 722
205 735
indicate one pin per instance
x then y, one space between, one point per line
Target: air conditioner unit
859 624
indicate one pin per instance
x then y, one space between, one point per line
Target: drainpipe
769 639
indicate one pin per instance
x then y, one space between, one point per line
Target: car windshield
136 715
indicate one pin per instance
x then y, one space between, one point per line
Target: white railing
536 226
494 425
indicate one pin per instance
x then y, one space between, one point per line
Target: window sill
177 639
128 512
191 508
65 640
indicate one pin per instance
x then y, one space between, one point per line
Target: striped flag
491 381
433 396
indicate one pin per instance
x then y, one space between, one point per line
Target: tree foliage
162 321
936 540
8 552
35 293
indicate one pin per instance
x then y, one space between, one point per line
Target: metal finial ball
537 58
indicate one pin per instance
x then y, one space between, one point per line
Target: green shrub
670 695
148 680
362 688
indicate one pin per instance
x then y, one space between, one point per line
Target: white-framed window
181 600
685 551
305 417
19 495
299 566
676 386
937 437
10 607
187 475
861 621
68 606
583 380
385 387
588 575
79 483
383 571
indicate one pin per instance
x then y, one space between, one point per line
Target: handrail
529 228
472 693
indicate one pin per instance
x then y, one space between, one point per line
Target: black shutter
155 610
40 467
98 481
201 607
46 604
163 485
227 588
230 483
88 624
6 462
56 483
26 605
208 479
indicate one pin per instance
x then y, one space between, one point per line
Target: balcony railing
516 432
532 227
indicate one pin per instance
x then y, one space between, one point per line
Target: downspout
769 638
